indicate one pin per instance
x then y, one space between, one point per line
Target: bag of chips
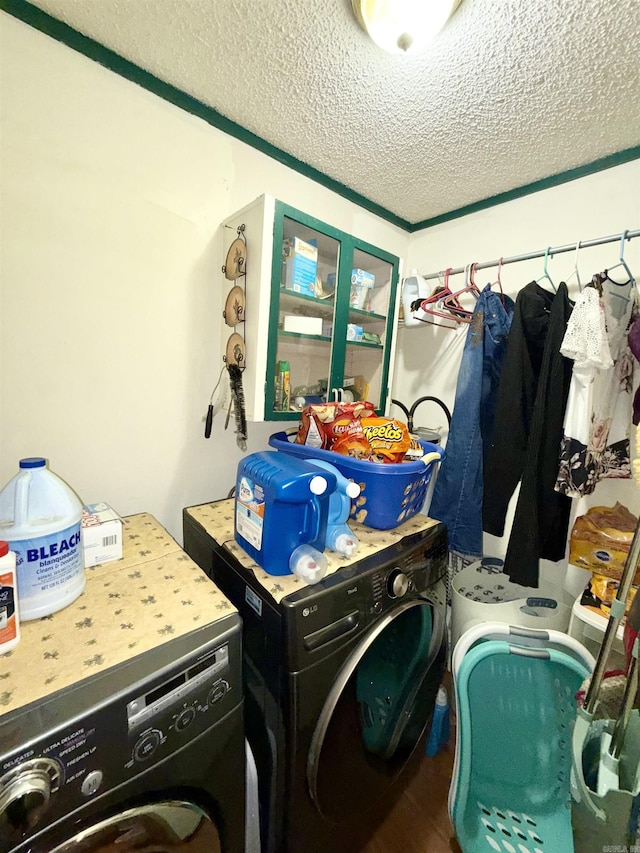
352 441
321 424
389 439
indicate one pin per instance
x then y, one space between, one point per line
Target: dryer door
377 711
163 827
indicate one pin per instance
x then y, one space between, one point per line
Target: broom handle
617 612
617 740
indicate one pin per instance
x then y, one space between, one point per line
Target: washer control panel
415 568
187 690
177 709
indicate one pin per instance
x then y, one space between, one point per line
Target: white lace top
585 340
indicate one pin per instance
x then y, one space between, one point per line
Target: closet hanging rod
584 244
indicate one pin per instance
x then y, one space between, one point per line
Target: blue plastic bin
389 493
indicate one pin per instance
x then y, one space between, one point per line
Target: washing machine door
163 827
377 711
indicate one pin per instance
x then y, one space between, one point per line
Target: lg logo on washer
309 610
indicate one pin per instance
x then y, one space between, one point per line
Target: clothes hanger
498 281
575 272
546 271
452 303
449 300
622 263
431 305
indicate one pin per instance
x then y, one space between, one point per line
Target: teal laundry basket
516 710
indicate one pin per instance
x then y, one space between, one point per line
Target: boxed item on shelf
302 325
101 534
301 266
361 284
354 332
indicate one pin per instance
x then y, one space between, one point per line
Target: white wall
602 204
111 287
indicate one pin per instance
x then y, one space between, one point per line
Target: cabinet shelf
298 301
366 315
323 338
366 344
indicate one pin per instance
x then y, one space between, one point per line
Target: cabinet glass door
305 273
369 326
331 317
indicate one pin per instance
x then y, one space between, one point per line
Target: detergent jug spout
339 537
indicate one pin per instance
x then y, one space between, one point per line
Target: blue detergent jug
281 502
339 536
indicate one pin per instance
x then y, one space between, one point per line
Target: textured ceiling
511 92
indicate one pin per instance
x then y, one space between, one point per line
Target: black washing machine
340 685
146 756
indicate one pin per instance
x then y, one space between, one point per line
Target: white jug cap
318 485
346 544
353 490
308 563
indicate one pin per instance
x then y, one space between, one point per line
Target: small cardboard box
302 325
361 284
301 266
101 534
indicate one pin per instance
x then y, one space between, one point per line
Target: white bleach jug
40 518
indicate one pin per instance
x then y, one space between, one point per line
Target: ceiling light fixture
403 26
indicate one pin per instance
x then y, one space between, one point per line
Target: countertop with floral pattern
152 595
217 520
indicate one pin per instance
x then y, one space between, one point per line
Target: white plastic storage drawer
588 628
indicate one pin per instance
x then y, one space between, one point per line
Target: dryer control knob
185 718
397 584
25 792
217 692
147 744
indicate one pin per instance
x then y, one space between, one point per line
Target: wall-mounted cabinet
320 304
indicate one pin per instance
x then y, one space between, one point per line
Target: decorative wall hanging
234 355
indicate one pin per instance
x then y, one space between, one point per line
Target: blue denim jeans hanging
457 497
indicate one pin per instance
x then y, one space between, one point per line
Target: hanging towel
530 408
457 497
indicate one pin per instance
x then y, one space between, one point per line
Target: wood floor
419 820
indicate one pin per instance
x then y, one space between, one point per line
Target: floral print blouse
596 443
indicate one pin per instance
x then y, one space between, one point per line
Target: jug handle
21 500
313 528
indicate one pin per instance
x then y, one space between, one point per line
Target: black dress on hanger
527 432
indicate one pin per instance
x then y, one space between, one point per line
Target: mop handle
617 739
617 611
